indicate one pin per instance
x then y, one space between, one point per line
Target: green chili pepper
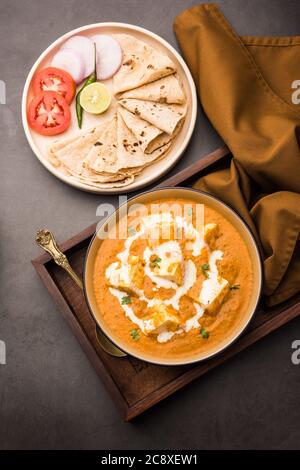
91 79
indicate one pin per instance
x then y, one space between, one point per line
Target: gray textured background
50 397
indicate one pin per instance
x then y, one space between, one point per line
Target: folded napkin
245 87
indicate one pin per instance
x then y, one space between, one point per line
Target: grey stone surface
50 397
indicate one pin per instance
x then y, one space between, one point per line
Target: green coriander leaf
126 300
205 268
155 263
135 334
204 333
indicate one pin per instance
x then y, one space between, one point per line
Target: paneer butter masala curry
173 287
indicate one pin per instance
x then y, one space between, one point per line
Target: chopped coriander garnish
205 268
155 262
135 334
204 333
126 300
234 287
131 231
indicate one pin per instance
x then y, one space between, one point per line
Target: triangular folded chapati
141 64
130 152
109 185
58 145
164 90
164 116
123 154
150 138
71 152
163 139
102 157
87 175
144 132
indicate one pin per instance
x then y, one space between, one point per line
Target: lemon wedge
95 98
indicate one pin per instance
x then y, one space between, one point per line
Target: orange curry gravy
214 325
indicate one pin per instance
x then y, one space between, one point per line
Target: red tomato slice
49 113
53 79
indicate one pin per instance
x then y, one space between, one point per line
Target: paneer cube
210 293
167 262
118 276
211 233
161 317
171 271
213 293
126 277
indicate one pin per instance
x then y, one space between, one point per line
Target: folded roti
150 138
164 90
163 139
144 132
109 185
129 150
58 145
107 180
102 156
164 116
126 154
141 64
70 153
87 175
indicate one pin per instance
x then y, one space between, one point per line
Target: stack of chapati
150 112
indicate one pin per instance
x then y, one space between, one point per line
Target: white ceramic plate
40 143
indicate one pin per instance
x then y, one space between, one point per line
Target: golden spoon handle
46 240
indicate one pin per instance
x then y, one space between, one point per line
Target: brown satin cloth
245 87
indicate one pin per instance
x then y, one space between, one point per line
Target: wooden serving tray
134 385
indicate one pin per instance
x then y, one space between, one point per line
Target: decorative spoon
45 239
